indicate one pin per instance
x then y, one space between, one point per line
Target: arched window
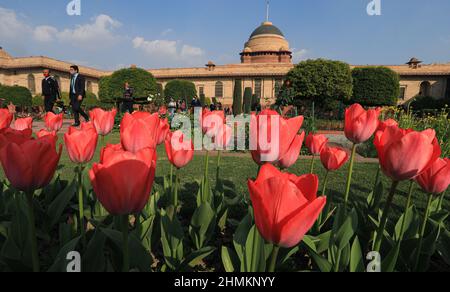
32 83
219 89
258 87
425 89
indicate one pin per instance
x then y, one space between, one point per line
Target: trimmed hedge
180 90
375 86
237 98
248 96
18 95
142 81
428 103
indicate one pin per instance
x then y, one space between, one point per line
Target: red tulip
316 143
360 124
268 148
43 133
9 135
162 111
163 129
22 124
333 158
138 131
292 155
285 206
405 154
179 152
31 165
53 122
212 121
436 179
221 137
103 120
122 181
5 118
81 143
388 123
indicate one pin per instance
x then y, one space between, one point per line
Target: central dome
267 44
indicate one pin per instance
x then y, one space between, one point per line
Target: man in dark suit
77 94
50 91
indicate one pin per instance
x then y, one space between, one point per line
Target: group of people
77 93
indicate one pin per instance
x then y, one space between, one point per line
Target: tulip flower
388 123
30 166
315 144
103 120
333 158
403 155
293 153
81 143
5 118
212 121
162 111
9 135
433 181
122 182
272 141
163 130
43 133
179 152
360 125
138 131
285 206
53 122
22 124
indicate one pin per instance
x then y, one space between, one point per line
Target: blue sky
175 33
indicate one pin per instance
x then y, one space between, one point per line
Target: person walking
128 102
77 94
50 91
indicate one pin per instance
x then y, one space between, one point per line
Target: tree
248 96
180 90
142 81
104 90
375 86
321 81
255 102
203 99
237 98
18 95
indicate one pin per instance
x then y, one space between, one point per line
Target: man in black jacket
77 94
50 91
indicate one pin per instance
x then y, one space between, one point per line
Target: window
201 90
278 85
425 89
219 89
258 87
31 83
402 93
89 86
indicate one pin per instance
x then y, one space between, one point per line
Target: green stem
349 176
175 190
219 154
273 259
422 231
81 204
338 261
319 220
206 171
103 140
441 201
171 178
325 183
126 251
408 204
384 217
312 164
32 232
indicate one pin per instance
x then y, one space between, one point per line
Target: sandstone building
265 60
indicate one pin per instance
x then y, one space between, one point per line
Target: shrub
237 98
104 90
18 95
142 81
248 96
203 99
421 103
180 90
375 86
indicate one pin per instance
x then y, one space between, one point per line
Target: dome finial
267 10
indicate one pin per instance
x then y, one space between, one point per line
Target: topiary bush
142 81
180 90
237 98
375 86
421 103
248 97
18 95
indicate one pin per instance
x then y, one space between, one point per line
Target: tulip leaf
240 236
356 258
60 263
94 257
347 230
171 238
390 262
202 225
230 260
196 257
255 258
323 264
57 207
443 246
406 221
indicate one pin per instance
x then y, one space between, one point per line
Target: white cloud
11 27
299 55
167 32
173 50
45 33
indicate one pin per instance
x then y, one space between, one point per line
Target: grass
236 169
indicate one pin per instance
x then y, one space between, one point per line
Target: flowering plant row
116 217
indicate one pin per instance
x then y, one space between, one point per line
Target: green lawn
235 171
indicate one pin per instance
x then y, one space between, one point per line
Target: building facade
265 60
